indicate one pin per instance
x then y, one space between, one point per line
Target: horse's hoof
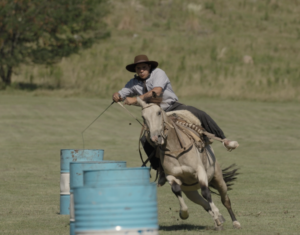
218 222
221 219
161 183
162 177
184 215
236 224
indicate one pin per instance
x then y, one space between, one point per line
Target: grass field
34 129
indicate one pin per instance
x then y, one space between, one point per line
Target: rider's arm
146 96
159 84
125 92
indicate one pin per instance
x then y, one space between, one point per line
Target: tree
44 31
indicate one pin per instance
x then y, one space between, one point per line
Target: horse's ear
140 102
154 95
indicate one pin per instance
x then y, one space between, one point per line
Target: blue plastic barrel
73 155
116 209
76 179
117 176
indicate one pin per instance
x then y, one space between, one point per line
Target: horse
187 166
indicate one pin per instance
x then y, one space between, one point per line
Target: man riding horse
149 79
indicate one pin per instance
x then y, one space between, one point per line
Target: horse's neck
176 139
172 139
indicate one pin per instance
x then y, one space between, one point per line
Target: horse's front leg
195 197
205 192
176 189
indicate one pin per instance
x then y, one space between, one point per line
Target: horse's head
153 117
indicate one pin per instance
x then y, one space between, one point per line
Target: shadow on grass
179 227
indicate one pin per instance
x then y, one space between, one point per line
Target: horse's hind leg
219 183
195 197
176 189
205 192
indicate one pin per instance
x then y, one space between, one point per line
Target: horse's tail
229 175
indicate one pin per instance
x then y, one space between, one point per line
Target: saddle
195 132
187 119
197 137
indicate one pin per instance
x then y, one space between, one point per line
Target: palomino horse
186 167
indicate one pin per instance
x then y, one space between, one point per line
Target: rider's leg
206 122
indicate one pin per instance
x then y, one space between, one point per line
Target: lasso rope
92 123
130 113
104 112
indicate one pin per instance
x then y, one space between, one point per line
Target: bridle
164 123
165 127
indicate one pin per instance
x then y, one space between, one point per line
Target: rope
104 112
92 123
100 116
143 128
130 113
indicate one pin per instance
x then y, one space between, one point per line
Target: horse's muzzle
157 139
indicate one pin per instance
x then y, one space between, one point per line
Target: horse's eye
159 113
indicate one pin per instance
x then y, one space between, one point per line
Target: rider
149 78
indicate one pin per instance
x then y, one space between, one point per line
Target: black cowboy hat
141 59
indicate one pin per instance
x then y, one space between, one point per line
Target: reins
144 128
164 135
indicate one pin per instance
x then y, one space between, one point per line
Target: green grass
34 129
200 45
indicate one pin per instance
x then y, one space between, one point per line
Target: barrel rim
123 169
81 149
96 231
92 162
113 185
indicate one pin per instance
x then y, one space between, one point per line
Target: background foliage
42 32
200 44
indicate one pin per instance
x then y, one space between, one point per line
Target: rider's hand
116 97
130 100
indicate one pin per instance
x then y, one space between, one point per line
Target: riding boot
230 144
161 177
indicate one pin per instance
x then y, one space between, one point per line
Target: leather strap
141 156
145 90
177 153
